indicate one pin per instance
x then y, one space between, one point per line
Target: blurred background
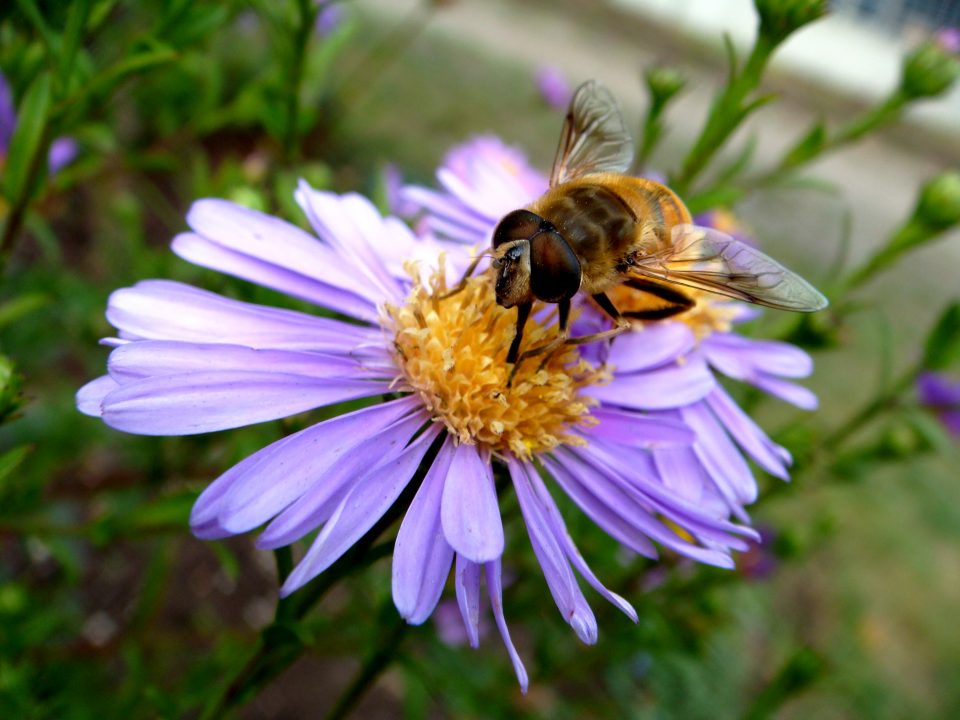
109 608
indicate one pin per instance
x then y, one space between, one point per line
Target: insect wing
708 260
594 138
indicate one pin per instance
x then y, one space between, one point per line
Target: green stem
880 404
911 234
18 212
307 15
281 643
385 653
726 114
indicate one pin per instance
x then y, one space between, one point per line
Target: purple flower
941 394
189 361
949 39
329 18
554 87
666 368
726 222
481 180
62 150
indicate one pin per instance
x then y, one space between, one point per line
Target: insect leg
621 325
676 301
523 312
563 308
463 281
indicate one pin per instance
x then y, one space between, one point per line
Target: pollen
452 352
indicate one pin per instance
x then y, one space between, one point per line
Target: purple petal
720 456
8 115
496 602
577 486
743 358
634 430
938 390
157 358
353 225
62 152
766 453
790 392
328 489
553 561
573 554
612 471
207 253
166 310
554 86
650 347
90 396
200 402
681 473
469 511
370 498
667 387
259 487
421 555
467 584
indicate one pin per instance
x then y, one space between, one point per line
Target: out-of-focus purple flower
760 561
188 361
726 222
949 39
941 394
666 368
449 624
554 87
329 18
62 150
8 115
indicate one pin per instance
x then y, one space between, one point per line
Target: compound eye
518 225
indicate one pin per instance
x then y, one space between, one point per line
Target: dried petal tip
452 352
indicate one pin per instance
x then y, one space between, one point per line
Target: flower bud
939 203
663 83
928 71
779 18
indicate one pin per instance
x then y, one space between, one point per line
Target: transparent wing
708 260
594 138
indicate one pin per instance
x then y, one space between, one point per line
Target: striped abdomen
607 217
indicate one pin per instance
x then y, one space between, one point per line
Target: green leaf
21 306
76 23
27 139
942 349
11 460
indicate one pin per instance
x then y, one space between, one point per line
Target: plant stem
283 642
307 15
875 407
18 212
726 114
380 660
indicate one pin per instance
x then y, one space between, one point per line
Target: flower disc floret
452 352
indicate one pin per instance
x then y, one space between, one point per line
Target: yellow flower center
708 315
452 352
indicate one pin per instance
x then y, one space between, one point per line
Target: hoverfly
597 228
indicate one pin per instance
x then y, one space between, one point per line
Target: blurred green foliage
108 608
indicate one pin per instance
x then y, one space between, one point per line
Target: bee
597 228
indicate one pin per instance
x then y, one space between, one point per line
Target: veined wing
594 138
707 259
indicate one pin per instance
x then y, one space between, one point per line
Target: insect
597 228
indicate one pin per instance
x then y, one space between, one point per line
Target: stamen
453 353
